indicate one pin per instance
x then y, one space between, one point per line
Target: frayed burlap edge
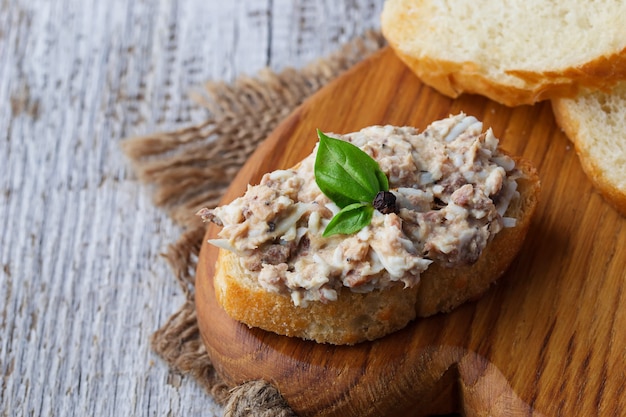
191 168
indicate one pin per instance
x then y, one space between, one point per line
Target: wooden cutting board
549 339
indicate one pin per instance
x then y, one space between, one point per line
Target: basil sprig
351 179
350 219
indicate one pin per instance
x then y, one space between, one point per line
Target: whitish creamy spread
452 187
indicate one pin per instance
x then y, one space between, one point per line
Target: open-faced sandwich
372 230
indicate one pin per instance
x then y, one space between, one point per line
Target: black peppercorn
385 202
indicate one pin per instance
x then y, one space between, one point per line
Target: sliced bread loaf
595 121
514 51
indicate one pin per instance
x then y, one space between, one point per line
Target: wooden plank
82 282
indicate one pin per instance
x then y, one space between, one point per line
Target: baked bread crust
595 122
356 317
352 318
499 78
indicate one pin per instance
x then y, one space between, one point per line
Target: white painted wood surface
82 282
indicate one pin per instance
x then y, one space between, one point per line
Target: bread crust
569 121
453 78
356 317
352 318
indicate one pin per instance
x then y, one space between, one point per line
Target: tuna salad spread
452 188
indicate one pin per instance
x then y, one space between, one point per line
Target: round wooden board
548 339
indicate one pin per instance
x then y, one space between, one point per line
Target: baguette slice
356 317
514 52
595 122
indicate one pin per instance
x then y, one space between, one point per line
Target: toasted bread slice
514 52
356 317
595 122
352 318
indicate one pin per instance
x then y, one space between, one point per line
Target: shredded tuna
451 186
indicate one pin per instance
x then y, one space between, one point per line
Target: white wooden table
82 282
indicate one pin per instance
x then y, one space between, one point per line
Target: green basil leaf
383 182
350 219
345 173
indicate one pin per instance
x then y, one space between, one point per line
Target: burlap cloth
191 168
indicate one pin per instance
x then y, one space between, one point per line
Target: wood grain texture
548 339
82 281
